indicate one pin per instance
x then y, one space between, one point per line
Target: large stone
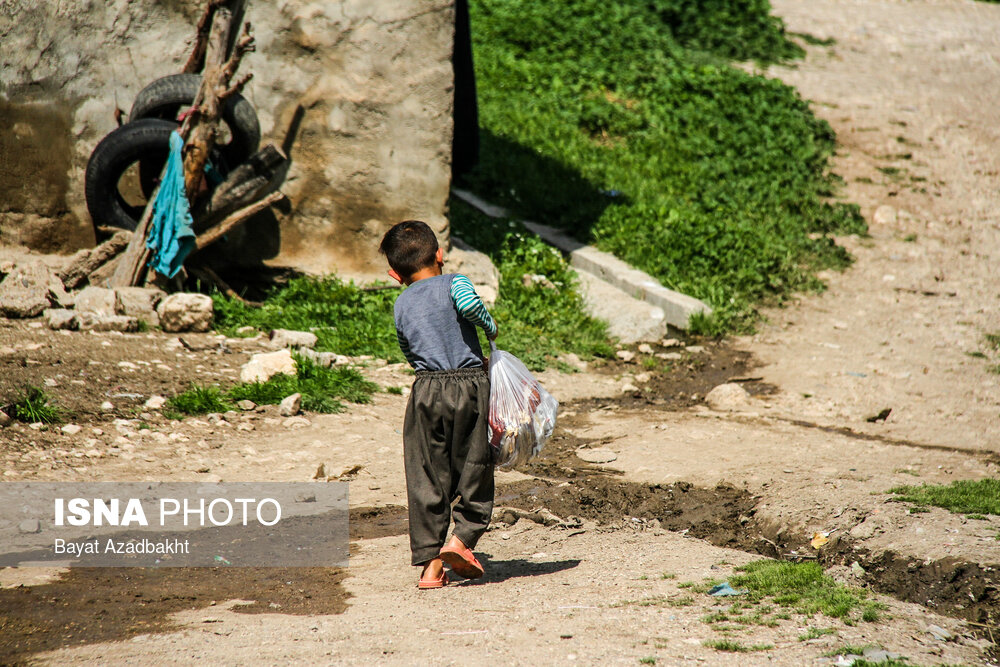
186 311
264 365
476 266
140 303
287 338
99 301
26 290
373 146
729 396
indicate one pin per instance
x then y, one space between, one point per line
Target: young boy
446 448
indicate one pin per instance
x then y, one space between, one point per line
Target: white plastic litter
522 414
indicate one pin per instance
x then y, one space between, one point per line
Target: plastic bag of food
522 414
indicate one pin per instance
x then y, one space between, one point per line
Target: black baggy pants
448 458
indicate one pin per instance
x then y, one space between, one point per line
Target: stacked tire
125 166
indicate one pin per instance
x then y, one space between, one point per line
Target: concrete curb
677 308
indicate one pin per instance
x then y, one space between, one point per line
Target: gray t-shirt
433 333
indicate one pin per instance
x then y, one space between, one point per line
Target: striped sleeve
404 345
470 306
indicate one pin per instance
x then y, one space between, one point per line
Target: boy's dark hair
409 246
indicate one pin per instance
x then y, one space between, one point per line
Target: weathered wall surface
373 79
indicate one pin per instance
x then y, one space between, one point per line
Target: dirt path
912 79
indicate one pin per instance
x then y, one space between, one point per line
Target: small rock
98 300
185 311
71 429
25 291
305 497
695 349
290 405
574 360
107 406
244 426
642 378
532 279
296 422
629 388
286 338
729 396
596 455
264 365
30 526
857 570
669 356
60 318
246 405
625 355
645 348
884 215
155 402
90 321
670 342
4 419
940 633
246 331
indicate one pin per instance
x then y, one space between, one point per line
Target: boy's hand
495 333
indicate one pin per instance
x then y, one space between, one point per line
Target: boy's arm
470 306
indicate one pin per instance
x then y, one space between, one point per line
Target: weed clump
962 497
805 588
35 406
730 646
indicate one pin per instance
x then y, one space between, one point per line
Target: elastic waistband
453 373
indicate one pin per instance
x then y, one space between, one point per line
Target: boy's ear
395 276
439 256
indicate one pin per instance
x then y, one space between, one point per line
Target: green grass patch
536 322
345 319
34 406
730 646
624 124
816 633
962 497
993 340
322 390
648 660
805 588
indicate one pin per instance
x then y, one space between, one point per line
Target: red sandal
462 562
437 582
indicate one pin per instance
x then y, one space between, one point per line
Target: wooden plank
237 218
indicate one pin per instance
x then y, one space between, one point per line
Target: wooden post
199 129
201 126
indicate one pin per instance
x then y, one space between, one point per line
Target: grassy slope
597 117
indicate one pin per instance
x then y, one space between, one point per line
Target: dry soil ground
691 493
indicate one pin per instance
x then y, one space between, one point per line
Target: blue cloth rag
724 590
171 235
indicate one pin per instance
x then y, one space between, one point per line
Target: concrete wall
373 77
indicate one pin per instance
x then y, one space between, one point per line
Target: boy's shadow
502 570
